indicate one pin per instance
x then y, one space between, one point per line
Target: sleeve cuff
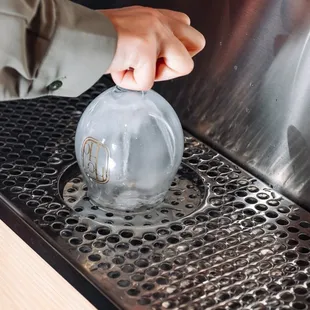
81 51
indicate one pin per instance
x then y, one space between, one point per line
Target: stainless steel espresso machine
236 234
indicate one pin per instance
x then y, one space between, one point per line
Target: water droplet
171 289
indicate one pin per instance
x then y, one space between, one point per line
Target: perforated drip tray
221 240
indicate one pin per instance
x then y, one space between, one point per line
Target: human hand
153 45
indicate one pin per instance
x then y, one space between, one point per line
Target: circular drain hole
186 195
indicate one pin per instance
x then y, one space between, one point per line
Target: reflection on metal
93 152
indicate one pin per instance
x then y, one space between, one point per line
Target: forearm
44 41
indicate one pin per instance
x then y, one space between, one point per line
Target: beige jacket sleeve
52 47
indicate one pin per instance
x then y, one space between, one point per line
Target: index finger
192 39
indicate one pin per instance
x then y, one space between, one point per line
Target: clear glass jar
129 146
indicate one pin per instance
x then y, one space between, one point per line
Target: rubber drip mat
222 240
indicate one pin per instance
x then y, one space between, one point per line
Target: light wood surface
28 282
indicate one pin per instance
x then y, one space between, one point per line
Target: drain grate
186 195
227 242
